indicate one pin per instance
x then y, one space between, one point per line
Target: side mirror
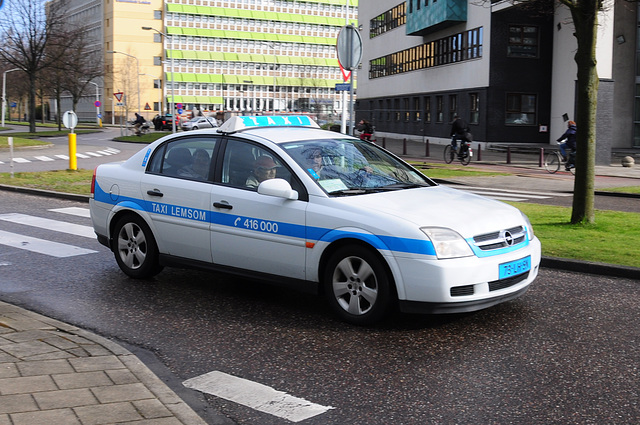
277 187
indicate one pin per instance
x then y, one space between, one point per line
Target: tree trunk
585 19
32 104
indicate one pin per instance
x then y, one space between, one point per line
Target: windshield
351 166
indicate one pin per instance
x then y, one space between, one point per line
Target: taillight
93 182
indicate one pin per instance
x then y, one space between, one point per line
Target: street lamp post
137 72
4 91
98 119
173 118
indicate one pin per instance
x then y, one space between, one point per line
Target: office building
208 56
507 70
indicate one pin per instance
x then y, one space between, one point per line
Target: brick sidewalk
53 373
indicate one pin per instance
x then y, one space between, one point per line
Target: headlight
529 226
447 243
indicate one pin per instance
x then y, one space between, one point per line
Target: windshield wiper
402 185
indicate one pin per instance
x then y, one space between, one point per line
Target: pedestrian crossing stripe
86 155
46 247
48 224
41 246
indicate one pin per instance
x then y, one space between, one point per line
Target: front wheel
135 248
448 154
552 162
357 285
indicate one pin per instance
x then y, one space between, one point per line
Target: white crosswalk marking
45 223
79 212
44 158
513 195
65 157
41 246
21 160
48 247
256 396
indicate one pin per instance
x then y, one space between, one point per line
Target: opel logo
508 238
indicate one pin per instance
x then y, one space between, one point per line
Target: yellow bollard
73 160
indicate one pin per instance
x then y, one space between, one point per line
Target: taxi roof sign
244 122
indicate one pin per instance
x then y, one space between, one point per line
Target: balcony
438 14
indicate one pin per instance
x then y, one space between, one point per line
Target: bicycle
464 155
553 160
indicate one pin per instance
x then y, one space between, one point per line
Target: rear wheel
135 248
552 162
357 285
448 154
466 155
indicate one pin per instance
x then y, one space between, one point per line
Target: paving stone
107 413
9 370
116 393
44 367
46 417
120 377
31 335
60 342
4 420
17 403
49 356
96 363
71 381
28 349
7 358
152 409
65 398
26 385
20 322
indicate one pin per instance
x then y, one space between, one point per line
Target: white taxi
277 198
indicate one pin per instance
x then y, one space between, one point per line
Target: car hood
440 206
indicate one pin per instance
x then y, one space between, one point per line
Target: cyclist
570 143
459 129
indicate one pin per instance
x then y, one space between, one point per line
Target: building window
456 48
474 108
157 14
453 106
521 109
389 20
416 109
407 113
157 60
523 41
157 84
439 109
427 109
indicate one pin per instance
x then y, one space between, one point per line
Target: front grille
496 285
461 291
500 238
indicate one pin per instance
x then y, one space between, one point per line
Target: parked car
199 122
280 199
163 122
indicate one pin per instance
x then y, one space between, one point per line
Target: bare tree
585 21
28 27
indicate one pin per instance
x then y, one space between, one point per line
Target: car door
252 231
177 193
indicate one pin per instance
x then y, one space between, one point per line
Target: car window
340 166
246 165
188 158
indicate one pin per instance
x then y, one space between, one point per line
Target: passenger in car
199 169
263 169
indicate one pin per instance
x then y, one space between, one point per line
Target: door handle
155 192
223 205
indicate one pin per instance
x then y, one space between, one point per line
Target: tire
448 154
466 158
357 285
135 248
194 128
552 162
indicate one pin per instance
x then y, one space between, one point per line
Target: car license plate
514 268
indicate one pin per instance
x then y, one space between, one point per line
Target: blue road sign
343 87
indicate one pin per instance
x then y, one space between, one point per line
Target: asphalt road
564 353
